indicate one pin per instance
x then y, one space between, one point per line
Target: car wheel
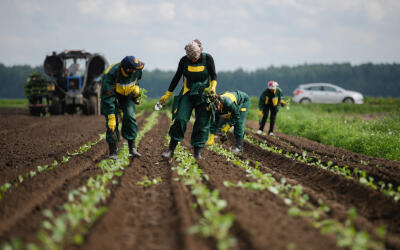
348 100
305 101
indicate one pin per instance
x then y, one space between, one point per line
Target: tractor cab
76 76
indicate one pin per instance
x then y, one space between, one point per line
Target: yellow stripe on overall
230 96
125 89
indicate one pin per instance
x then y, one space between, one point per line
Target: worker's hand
260 113
210 140
112 122
283 103
225 129
212 88
165 97
135 91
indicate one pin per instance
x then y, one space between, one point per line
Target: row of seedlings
360 175
6 187
213 222
83 206
346 234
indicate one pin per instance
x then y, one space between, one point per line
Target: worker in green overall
119 90
269 102
199 80
232 106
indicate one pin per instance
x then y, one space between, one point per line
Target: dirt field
159 216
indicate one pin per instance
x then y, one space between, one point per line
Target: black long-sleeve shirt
210 66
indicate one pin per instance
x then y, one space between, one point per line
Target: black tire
91 107
348 100
35 111
56 107
70 109
305 101
43 111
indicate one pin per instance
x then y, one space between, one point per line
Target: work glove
225 129
135 94
212 88
210 140
283 103
260 113
112 122
135 91
165 97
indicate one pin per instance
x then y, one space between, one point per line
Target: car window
329 89
315 88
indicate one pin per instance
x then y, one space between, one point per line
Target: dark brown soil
154 217
22 206
262 220
159 216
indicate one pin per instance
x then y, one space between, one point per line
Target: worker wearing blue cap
120 90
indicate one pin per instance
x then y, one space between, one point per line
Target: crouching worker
119 89
199 80
270 101
232 106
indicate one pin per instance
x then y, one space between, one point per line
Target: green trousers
238 129
129 125
201 126
217 124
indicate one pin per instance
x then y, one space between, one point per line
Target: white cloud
308 8
238 46
162 45
27 6
19 43
191 12
306 23
375 11
352 37
123 11
304 47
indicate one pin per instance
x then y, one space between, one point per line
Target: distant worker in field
74 69
232 106
270 101
119 90
37 91
199 80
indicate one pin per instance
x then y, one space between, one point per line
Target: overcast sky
250 34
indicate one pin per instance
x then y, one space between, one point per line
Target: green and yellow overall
235 106
270 101
196 78
116 93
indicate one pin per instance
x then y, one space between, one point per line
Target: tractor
75 88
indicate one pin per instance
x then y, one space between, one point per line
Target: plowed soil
159 216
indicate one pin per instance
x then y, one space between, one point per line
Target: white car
325 93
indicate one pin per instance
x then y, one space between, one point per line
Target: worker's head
193 50
272 85
131 64
219 104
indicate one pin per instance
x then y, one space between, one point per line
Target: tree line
369 79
